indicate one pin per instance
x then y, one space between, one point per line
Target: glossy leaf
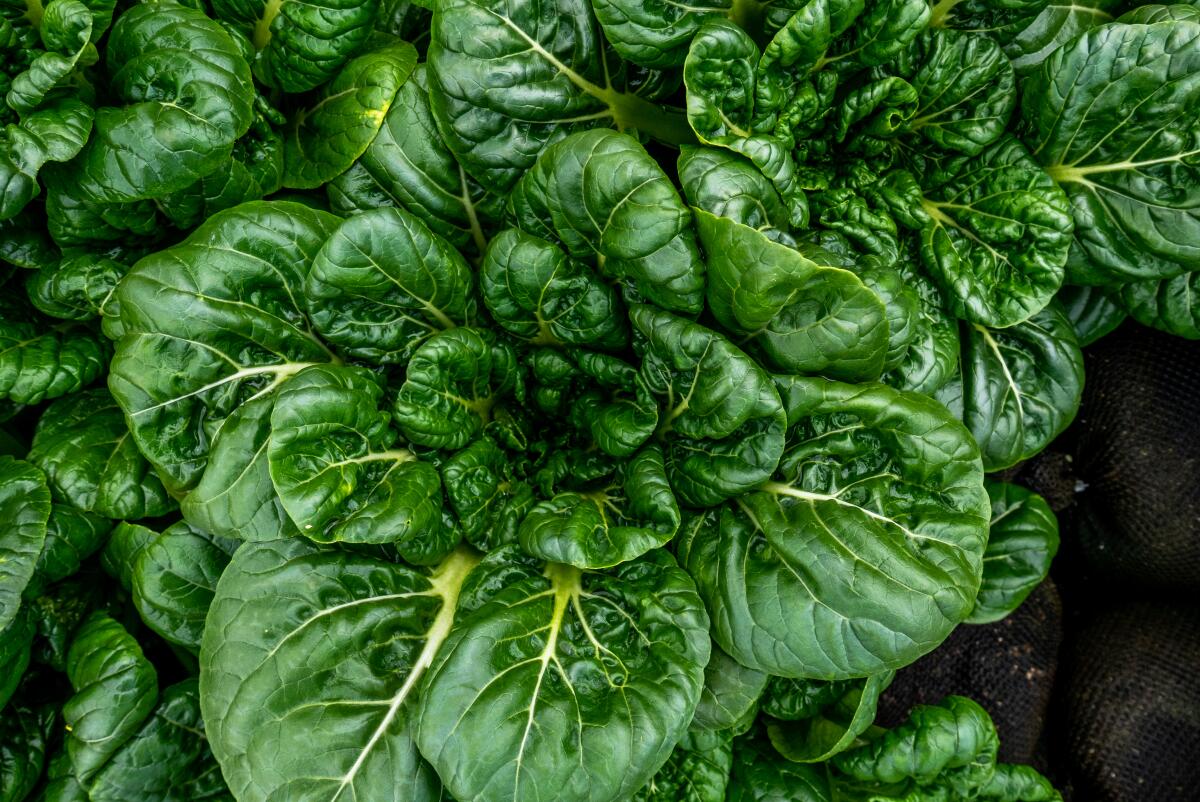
879 497
452 383
997 234
1021 385
211 324
805 316
25 509
370 627
40 361
71 537
340 478
831 723
16 640
559 668
603 197
1092 312
174 578
299 45
1171 305
730 695
696 771
761 775
327 137
25 734
383 283
79 287
1021 543
91 461
722 419
616 520
497 123
1118 133
168 759
409 166
489 501
55 133
183 95
1055 25
726 185
115 690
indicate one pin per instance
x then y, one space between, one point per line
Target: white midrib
781 489
1069 172
565 581
1008 377
446 582
281 372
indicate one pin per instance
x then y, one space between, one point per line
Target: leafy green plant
562 400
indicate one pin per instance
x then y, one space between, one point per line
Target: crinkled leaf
816 732
84 446
324 139
338 475
804 315
603 197
115 690
1114 116
696 771
212 323
879 498
299 45
730 695
452 383
1092 312
538 293
1021 543
610 522
383 283
40 360
54 133
487 499
722 419
1171 305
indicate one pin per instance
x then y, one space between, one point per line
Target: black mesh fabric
1008 667
1137 454
1132 705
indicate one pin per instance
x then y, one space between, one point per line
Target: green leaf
212 323
24 509
125 546
25 734
696 771
71 537
324 139
997 234
299 45
829 719
727 185
57 613
1092 312
183 95
91 461
40 360
932 357
55 133
1021 385
383 283
1171 305
949 747
804 315
621 518
761 775
1022 542
235 497
722 422
497 126
338 474
115 690
573 681
452 383
168 759
16 640
409 166
79 287
1056 24
1118 132
730 695
488 500
863 553
337 671
174 578
67 33
965 87
604 198
538 293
